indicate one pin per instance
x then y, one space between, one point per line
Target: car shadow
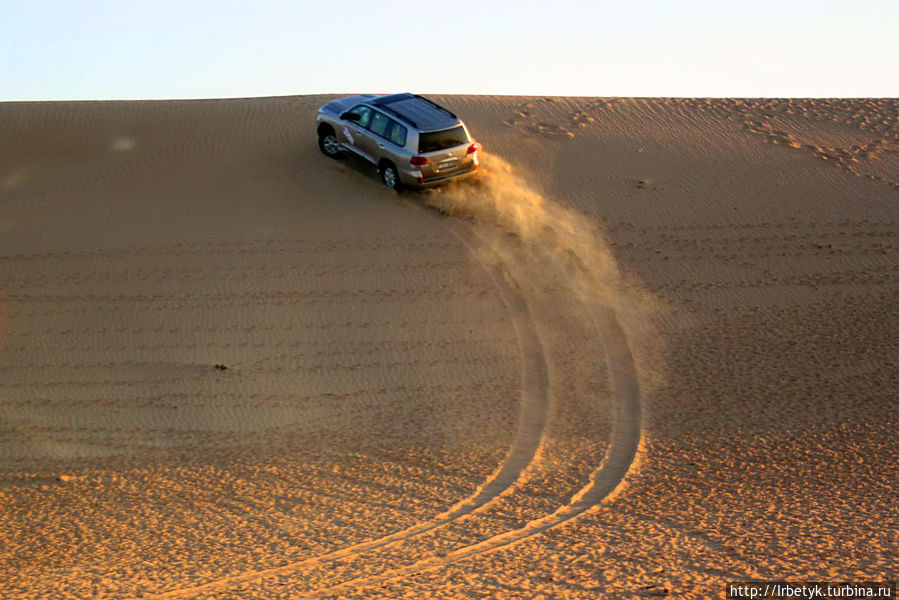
361 166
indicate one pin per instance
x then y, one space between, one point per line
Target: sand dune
649 350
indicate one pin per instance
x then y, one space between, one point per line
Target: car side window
364 113
396 133
379 124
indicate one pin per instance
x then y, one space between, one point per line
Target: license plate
449 163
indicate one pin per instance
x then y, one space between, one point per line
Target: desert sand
651 348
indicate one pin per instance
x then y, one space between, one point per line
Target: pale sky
121 49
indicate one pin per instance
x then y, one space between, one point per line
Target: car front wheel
327 142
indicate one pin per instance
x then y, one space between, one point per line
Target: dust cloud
556 257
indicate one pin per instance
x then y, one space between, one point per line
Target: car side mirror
350 116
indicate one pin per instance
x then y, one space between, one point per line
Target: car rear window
438 140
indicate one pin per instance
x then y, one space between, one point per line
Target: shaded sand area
650 349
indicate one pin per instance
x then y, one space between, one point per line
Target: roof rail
435 105
399 115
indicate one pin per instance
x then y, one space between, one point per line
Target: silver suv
411 140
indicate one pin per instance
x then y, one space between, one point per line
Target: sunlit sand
648 350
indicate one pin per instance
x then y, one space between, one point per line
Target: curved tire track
522 453
623 450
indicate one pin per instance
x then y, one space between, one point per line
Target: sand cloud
552 251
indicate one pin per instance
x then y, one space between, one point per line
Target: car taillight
418 161
472 149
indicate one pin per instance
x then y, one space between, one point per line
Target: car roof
418 111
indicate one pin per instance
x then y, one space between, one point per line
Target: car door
373 144
354 132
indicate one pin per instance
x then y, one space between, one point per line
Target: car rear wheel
390 176
327 142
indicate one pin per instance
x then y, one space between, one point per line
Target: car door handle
381 146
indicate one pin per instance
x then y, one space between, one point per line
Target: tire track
604 481
522 453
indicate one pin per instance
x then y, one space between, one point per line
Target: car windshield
439 140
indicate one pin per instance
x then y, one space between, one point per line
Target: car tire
329 144
390 176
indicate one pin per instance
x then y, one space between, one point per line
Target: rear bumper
413 179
